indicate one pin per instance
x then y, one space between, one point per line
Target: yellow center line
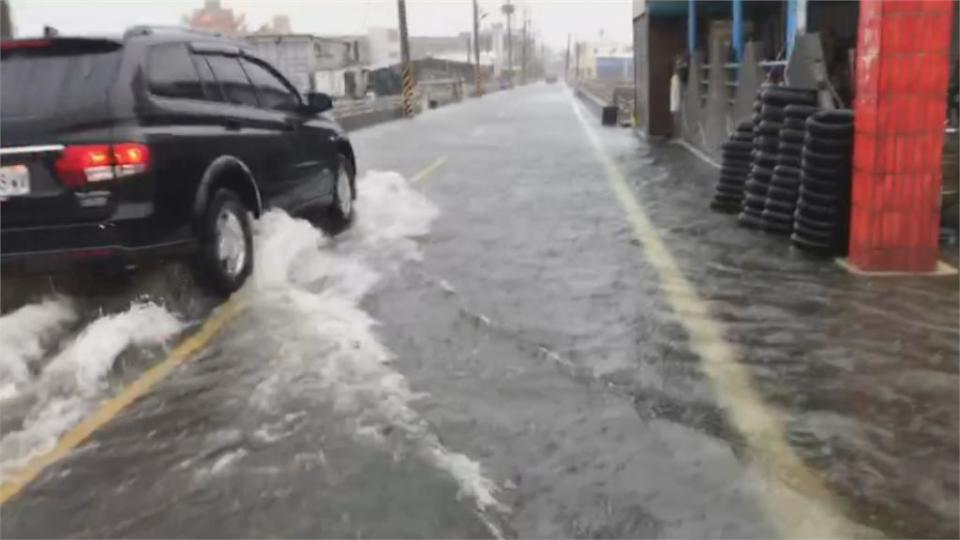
428 170
185 351
107 411
811 515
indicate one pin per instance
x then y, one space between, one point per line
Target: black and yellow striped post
408 77
409 90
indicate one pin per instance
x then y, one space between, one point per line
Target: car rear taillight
82 164
15 44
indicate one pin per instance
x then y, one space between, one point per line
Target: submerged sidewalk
863 369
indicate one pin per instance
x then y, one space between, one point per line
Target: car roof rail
149 30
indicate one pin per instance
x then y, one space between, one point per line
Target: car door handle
290 124
232 125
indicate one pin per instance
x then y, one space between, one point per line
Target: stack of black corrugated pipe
749 213
766 147
737 158
821 221
784 185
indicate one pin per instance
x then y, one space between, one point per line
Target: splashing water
308 287
311 287
70 384
24 336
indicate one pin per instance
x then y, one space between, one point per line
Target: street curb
372 118
595 104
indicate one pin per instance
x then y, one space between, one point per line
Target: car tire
724 207
750 220
795 124
726 189
827 160
785 182
830 131
769 128
737 146
785 196
225 260
788 161
800 111
791 135
784 96
771 113
808 244
341 213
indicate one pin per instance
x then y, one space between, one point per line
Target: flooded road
497 349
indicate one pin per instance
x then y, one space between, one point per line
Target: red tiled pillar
902 69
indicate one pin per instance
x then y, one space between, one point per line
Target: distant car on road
551 79
161 143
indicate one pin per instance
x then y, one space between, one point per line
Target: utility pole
408 79
523 50
543 60
508 11
6 21
566 62
476 50
576 58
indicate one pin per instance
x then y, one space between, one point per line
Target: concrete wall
357 121
641 70
707 117
656 45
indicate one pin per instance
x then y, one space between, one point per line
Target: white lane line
697 152
810 515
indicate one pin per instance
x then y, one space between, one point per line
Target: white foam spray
70 384
315 284
25 335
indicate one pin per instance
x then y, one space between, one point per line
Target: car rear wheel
226 251
341 213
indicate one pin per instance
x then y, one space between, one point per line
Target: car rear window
234 82
171 72
57 79
274 93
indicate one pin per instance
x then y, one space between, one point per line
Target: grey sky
553 18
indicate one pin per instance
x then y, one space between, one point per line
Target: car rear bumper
105 245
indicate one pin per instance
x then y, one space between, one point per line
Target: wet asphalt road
490 353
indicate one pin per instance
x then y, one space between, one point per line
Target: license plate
14 180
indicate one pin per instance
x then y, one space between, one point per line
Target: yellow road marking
796 516
110 409
428 170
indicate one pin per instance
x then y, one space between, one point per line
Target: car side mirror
318 102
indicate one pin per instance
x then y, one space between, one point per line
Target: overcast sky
552 18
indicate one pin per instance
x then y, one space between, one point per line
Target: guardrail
619 93
351 107
357 113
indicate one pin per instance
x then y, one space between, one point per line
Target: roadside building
313 63
614 67
886 60
215 18
587 53
690 37
279 25
384 44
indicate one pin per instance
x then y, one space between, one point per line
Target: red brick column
902 69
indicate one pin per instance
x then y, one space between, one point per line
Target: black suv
161 143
